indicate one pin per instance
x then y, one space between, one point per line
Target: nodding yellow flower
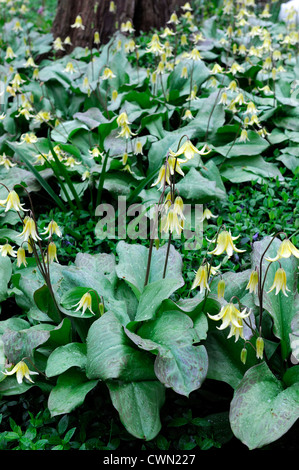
21 370
85 303
178 207
221 289
231 316
127 27
125 132
206 215
187 7
155 45
57 44
188 150
163 177
188 115
107 74
30 63
122 119
253 282
232 86
28 138
201 279
29 230
52 228
17 27
12 202
171 222
225 243
235 68
244 136
67 41
78 23
259 347
216 69
224 98
69 68
195 55
285 250
280 282
10 53
51 253
184 73
114 95
21 257
7 249
95 152
138 148
239 99
173 19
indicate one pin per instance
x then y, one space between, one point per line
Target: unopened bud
244 355
221 288
259 347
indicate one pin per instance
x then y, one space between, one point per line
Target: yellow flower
9 53
125 132
171 222
85 303
69 68
207 214
188 150
201 279
138 148
52 228
232 317
57 44
280 282
123 119
29 230
253 282
12 202
7 249
225 242
107 74
21 370
78 23
163 177
203 274
112 7
52 253
285 250
21 257
28 138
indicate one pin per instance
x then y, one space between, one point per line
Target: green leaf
138 404
69 392
65 357
22 343
262 410
179 364
111 355
133 260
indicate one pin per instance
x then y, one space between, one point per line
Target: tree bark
95 14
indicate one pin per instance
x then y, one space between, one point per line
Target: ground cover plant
149 232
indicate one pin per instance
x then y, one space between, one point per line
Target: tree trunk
95 14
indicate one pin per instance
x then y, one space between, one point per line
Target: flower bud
244 355
221 288
259 347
